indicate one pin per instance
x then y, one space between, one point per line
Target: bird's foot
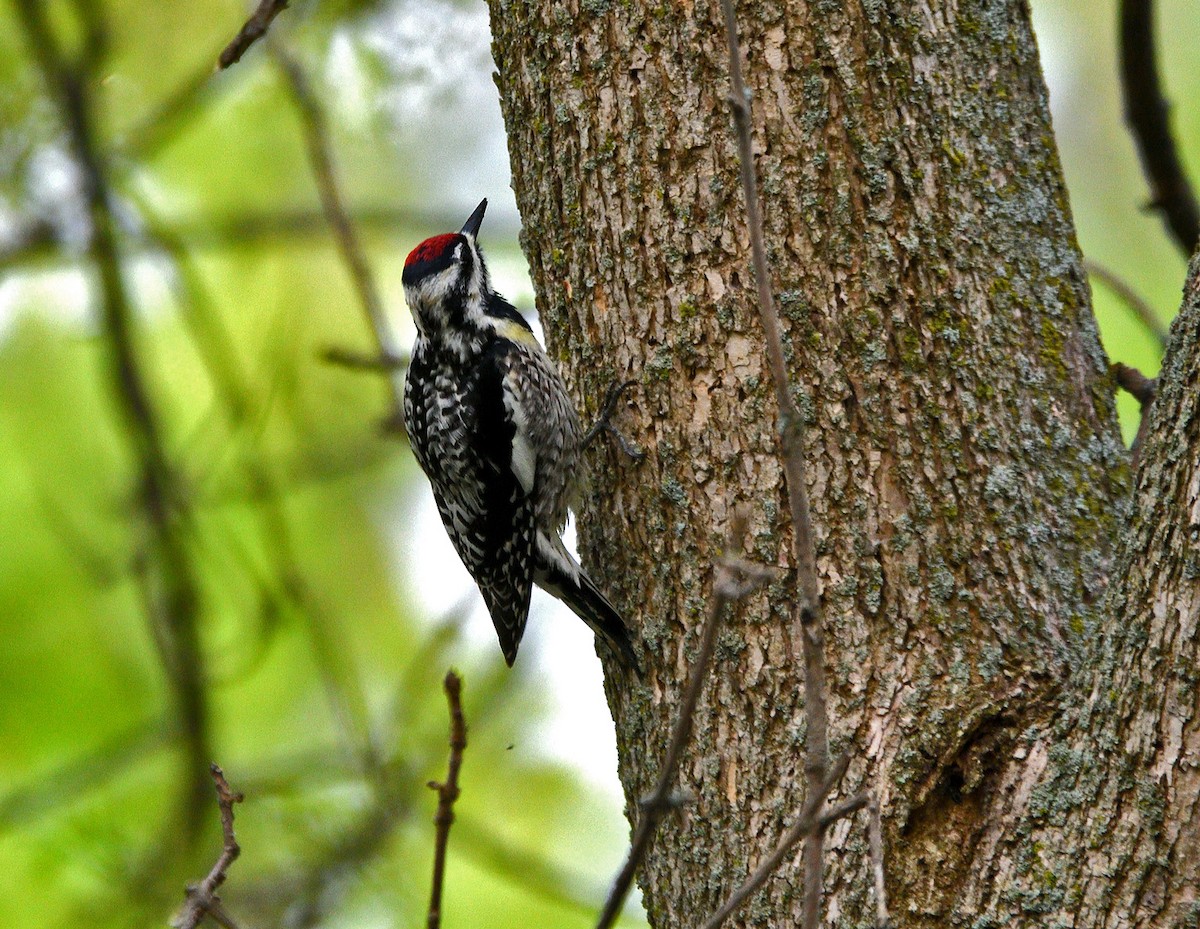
603 422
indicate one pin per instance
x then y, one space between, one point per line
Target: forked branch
813 820
735 578
202 899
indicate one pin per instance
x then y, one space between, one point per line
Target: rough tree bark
1032 733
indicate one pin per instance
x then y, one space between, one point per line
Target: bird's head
446 280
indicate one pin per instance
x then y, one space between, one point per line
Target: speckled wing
546 444
462 435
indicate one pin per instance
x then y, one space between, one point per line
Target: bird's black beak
475 220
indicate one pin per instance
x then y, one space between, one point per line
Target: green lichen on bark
965 461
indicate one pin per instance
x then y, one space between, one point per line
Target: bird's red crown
431 249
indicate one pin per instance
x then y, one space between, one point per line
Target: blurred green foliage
322 686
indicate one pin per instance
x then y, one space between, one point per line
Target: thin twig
357 361
1148 114
808 619
447 794
735 578
814 819
320 156
848 807
288 588
1131 298
202 898
172 594
34 239
875 835
255 28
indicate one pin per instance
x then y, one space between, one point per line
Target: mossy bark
968 482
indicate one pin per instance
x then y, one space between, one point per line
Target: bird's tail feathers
561 576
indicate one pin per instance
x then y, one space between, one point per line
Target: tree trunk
968 483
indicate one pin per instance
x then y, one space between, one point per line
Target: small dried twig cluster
735 578
202 899
820 777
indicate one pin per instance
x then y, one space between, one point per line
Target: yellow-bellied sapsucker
492 426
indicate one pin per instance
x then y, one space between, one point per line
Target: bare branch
812 821
808 619
1148 114
848 807
357 361
171 591
320 156
255 28
288 224
735 579
447 794
202 898
1131 298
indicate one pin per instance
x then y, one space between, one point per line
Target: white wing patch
524 457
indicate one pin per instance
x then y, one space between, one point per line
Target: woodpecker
491 425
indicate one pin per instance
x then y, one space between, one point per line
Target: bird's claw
603 422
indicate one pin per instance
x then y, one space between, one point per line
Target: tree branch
254 29
357 361
447 794
1148 114
735 578
320 156
202 898
1131 298
172 594
35 239
813 821
808 617
1134 382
